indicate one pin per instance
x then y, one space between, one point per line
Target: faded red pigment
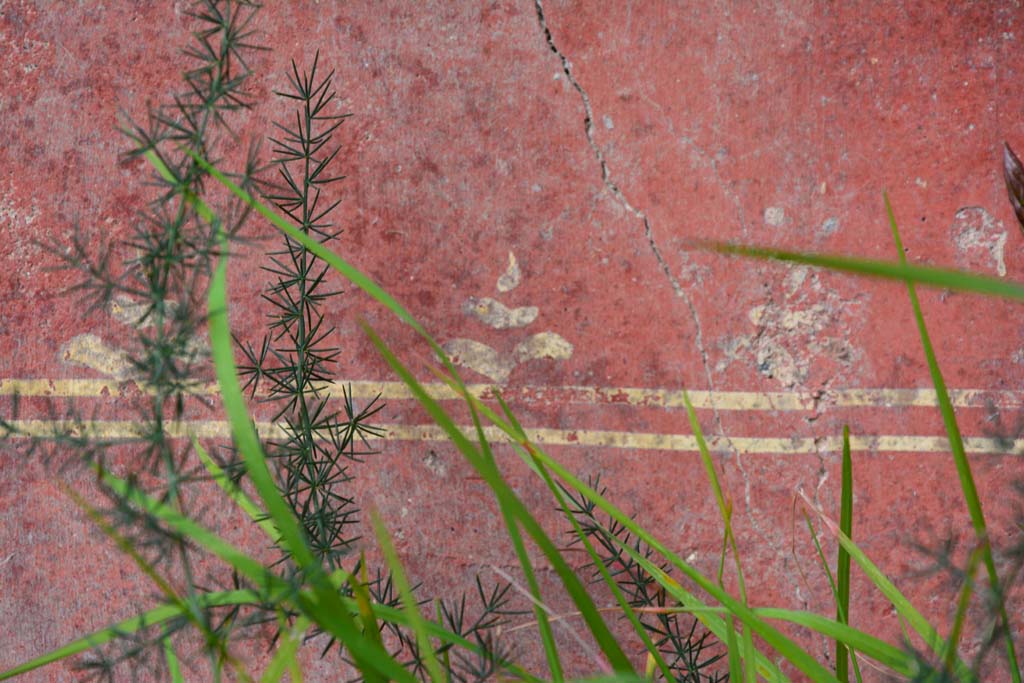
528 179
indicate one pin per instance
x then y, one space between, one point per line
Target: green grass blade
372 659
963 466
835 592
409 606
733 650
547 636
792 652
904 608
195 532
895 658
173 665
536 458
508 499
364 601
655 658
153 617
285 658
236 494
728 540
958 280
963 603
843 561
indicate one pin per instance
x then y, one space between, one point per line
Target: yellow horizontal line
632 396
682 443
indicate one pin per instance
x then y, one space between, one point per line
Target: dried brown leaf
1013 172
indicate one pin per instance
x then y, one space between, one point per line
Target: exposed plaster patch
498 365
90 351
497 315
792 334
510 279
775 216
980 240
543 345
435 464
480 358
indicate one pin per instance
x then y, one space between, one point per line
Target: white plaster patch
480 358
980 240
499 316
775 216
800 326
544 345
510 279
90 351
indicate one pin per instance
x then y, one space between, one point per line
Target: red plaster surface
770 123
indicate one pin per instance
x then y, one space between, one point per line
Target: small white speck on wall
775 216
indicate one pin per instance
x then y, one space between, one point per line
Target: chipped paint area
980 240
498 365
88 350
480 358
512 276
11 213
497 315
795 332
545 345
775 216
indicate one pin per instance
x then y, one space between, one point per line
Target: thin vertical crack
606 179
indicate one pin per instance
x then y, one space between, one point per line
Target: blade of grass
285 658
409 605
725 509
904 608
832 587
733 650
507 498
153 617
957 280
188 607
540 613
895 658
173 665
372 659
735 609
164 613
536 459
956 443
238 560
963 603
361 594
654 657
235 493
843 561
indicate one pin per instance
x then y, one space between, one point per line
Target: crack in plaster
606 178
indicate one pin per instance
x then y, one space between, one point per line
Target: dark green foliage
294 360
292 363
161 270
689 651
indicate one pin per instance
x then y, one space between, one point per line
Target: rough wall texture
529 179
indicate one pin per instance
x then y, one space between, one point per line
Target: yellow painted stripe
682 443
559 395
